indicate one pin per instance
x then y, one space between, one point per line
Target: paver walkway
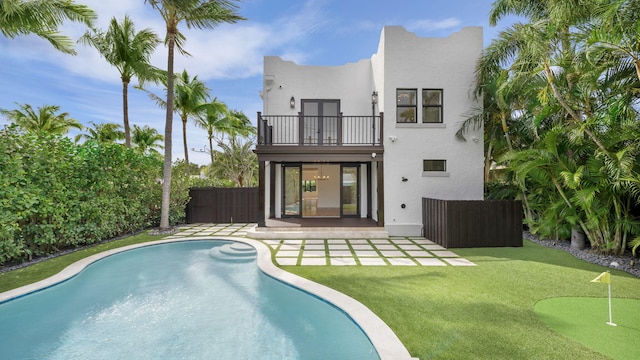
399 251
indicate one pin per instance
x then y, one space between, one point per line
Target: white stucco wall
437 63
351 83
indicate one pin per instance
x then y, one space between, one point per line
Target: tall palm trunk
168 133
125 115
505 129
184 141
211 146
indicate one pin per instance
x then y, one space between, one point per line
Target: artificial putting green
584 319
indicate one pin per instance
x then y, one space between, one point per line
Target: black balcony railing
319 130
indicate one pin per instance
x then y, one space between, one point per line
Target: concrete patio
306 249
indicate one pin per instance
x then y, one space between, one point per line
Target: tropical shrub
55 194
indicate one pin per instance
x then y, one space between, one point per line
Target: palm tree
218 121
146 139
128 51
108 133
239 125
190 96
42 18
200 14
44 119
237 162
212 120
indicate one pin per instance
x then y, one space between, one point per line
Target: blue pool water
174 301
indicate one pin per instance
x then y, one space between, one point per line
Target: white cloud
230 51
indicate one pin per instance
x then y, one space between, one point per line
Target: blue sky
228 58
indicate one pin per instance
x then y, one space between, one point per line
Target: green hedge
56 194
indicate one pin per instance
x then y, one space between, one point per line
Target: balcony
320 131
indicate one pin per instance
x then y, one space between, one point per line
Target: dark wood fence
222 205
466 224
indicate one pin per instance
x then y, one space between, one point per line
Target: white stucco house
369 140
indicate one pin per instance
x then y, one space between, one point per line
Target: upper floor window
431 105
406 101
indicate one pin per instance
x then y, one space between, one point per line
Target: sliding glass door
350 190
291 189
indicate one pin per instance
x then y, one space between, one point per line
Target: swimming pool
174 301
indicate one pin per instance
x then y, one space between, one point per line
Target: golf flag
604 278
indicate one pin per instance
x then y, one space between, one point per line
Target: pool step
233 252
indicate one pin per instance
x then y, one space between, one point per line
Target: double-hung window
406 107
431 105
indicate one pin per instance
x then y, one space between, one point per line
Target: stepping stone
336 241
314 242
386 247
338 247
339 253
380 241
293 242
313 261
287 253
372 261
402 241
342 261
389 253
401 261
286 261
366 253
433 247
409 247
313 247
444 253
358 241
420 253
313 253
430 262
362 247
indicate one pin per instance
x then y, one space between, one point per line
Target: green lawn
482 312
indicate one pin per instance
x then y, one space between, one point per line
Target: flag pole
610 322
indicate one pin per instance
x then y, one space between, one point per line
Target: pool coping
385 341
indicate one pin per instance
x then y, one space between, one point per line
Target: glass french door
320 122
291 190
350 190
